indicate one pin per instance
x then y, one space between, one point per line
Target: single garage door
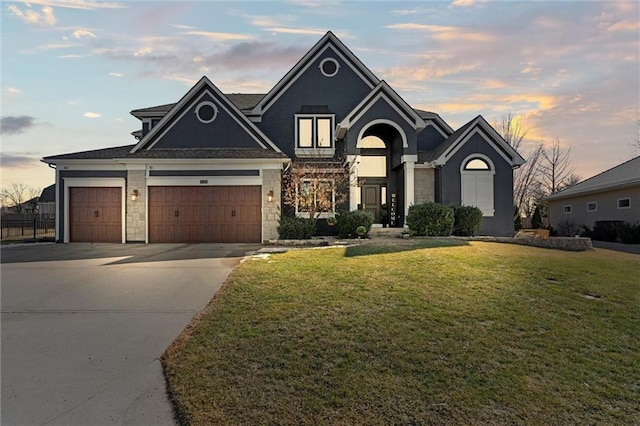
205 214
95 215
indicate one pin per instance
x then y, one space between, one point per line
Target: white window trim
323 215
623 198
564 209
315 151
592 210
206 103
325 60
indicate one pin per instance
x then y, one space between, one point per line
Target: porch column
354 189
409 181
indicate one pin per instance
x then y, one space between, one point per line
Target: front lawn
425 332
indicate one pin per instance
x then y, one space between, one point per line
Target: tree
536 220
315 187
556 169
17 195
525 177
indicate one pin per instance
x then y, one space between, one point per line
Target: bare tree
511 129
315 187
636 139
556 169
17 195
526 176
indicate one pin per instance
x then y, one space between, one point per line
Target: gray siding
429 139
449 182
607 208
340 93
223 132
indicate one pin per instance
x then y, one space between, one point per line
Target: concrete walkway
84 325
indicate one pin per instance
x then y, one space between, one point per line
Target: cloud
16 161
30 16
83 32
116 74
183 27
92 115
54 46
79 4
290 30
464 3
219 36
14 125
443 32
12 91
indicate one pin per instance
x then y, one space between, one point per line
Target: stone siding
424 186
136 211
270 209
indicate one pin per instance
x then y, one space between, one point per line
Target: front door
371 201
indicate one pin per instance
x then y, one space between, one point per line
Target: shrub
467 220
606 230
296 228
348 222
630 233
536 220
568 228
432 219
517 219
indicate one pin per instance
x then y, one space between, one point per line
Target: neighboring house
611 195
47 202
208 168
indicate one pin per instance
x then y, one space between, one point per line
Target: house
611 195
208 168
47 202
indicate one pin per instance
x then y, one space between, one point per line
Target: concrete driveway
83 327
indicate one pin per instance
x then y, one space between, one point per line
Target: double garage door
208 214
204 214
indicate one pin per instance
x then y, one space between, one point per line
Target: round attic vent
329 67
206 112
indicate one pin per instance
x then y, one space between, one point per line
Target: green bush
606 230
296 228
536 220
348 222
517 219
467 220
630 233
432 219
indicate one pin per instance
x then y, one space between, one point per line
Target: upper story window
624 203
329 67
592 206
314 135
206 112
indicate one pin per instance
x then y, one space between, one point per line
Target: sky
72 70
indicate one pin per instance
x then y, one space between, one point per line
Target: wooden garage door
205 214
95 215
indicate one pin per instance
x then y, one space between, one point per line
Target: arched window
371 142
476 176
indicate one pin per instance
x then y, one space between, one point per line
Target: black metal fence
27 229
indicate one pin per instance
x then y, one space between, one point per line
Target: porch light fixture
134 195
270 196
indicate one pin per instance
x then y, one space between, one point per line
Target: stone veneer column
271 181
136 210
425 185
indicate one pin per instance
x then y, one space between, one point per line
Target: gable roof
385 92
204 85
48 194
329 40
244 102
438 123
621 176
458 138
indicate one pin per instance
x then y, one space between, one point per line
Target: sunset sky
73 69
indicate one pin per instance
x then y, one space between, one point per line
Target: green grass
424 332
